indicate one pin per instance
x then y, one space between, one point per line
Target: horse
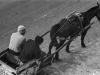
68 27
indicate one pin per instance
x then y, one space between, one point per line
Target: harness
70 19
80 17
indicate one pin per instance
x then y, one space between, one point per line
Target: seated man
16 44
31 49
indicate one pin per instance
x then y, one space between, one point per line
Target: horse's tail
53 34
54 31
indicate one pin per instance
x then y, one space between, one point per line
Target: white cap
21 29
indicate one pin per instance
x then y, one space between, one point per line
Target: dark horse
68 27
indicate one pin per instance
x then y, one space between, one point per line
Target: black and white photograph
49 37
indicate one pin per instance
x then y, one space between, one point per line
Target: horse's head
92 12
98 12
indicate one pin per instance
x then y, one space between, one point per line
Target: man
16 44
31 49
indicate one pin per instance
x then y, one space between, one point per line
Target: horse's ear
98 4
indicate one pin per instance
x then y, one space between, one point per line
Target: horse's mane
93 8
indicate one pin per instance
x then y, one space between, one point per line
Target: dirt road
34 14
38 16
26 12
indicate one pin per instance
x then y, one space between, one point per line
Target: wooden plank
45 33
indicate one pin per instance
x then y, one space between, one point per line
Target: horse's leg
50 47
53 43
59 45
83 36
67 47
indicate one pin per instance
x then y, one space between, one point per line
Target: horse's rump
54 30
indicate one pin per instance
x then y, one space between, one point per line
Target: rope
80 21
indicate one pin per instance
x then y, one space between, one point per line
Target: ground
38 16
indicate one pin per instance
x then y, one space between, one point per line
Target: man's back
16 42
30 51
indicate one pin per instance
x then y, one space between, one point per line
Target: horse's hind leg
50 47
83 36
67 47
53 43
59 45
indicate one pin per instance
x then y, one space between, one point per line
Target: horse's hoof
68 51
83 45
56 57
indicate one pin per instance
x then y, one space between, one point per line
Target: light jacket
17 42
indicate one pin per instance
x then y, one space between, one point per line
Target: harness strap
80 21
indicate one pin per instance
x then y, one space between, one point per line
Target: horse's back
69 26
66 26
